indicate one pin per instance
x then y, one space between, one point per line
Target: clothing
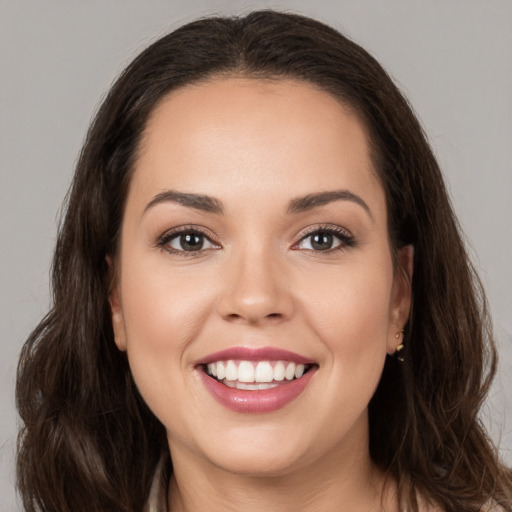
157 500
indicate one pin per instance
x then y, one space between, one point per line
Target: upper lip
254 354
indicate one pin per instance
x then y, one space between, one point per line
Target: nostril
254 318
255 308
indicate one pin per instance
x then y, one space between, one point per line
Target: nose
255 289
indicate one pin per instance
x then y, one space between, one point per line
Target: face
255 292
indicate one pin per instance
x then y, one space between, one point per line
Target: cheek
162 306
350 303
163 314
350 311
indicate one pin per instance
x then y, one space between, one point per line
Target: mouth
255 380
255 375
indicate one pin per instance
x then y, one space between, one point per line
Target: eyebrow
310 201
196 201
298 205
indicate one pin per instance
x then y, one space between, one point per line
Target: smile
255 375
255 380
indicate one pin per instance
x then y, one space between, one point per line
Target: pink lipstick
255 380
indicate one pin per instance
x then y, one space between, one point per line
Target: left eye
188 241
324 240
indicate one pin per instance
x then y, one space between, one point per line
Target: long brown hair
89 442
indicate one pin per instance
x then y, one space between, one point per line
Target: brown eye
327 239
186 241
322 241
190 242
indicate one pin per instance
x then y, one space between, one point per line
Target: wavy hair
89 442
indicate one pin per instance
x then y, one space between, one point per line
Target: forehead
263 135
231 103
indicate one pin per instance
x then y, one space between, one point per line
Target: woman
260 273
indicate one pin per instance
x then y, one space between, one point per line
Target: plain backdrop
452 58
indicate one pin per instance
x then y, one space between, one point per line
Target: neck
345 478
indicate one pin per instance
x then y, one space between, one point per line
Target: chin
262 451
254 464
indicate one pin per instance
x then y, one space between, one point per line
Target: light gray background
450 57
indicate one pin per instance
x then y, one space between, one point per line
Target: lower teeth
251 387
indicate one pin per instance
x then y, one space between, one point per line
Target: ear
401 298
116 310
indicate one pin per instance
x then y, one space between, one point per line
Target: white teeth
250 387
279 371
252 375
221 370
267 386
212 369
245 372
231 371
290 371
264 372
241 385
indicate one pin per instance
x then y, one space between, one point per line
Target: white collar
157 500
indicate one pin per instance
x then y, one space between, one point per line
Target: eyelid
346 238
163 240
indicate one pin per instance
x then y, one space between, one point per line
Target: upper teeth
255 371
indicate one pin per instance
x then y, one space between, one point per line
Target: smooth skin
256 276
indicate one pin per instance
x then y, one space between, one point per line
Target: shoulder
425 506
492 507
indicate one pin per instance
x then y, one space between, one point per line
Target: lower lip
257 401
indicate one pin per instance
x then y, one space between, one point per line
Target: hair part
89 441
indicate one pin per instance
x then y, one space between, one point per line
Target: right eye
191 241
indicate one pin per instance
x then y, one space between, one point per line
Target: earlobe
116 312
402 298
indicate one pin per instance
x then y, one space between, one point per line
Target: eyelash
346 238
167 237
